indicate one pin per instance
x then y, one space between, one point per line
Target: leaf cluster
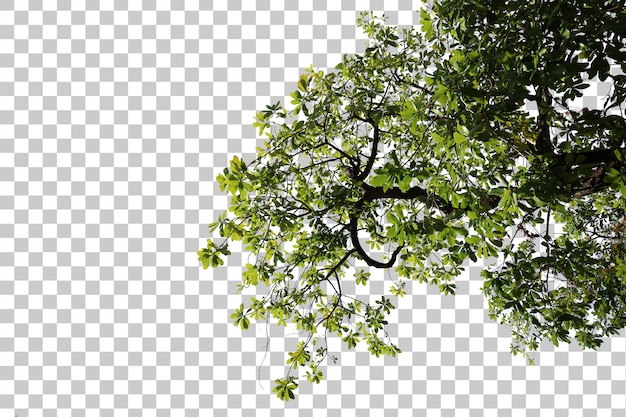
419 154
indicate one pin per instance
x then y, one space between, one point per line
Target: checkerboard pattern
115 118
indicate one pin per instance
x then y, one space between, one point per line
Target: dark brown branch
402 80
592 157
352 159
598 159
373 153
338 264
354 236
334 269
413 193
595 182
543 145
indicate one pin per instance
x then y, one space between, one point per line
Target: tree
421 148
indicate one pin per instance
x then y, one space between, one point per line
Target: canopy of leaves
419 154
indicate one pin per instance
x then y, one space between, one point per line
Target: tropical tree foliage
420 154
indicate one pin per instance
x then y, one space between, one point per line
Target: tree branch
374 151
377 193
595 182
592 157
359 249
334 269
543 145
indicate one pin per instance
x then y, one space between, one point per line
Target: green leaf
284 388
303 83
459 139
362 277
351 340
379 180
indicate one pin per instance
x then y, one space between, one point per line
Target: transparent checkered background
114 121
